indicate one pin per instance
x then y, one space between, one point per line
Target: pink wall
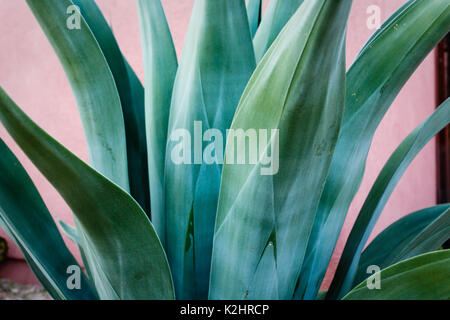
31 74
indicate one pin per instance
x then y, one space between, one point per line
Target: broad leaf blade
297 88
421 278
378 196
216 64
160 66
26 218
93 86
124 253
417 233
277 14
373 82
131 93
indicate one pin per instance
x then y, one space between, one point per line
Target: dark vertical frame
443 139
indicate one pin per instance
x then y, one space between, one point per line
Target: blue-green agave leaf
215 66
297 95
254 11
373 82
72 234
27 220
40 276
424 277
113 228
93 86
277 14
131 93
417 233
69 231
378 196
160 66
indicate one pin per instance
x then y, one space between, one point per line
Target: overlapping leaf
417 233
69 231
216 64
25 217
124 254
276 16
378 196
93 86
131 93
160 63
265 214
373 82
420 278
254 11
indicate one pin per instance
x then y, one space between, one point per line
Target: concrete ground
12 291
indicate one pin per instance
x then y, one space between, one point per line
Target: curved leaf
40 276
131 93
70 232
373 82
160 66
93 86
112 227
421 278
298 89
216 64
277 14
403 239
25 217
379 194
254 11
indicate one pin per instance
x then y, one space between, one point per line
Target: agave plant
148 227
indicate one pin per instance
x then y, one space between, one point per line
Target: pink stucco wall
31 74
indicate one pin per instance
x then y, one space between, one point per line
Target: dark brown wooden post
443 139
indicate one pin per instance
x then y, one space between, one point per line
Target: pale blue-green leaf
373 82
298 88
379 195
160 66
69 231
92 83
131 93
254 12
215 66
124 253
72 234
261 285
276 16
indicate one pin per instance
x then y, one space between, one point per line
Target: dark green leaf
378 196
373 82
417 233
421 278
123 251
26 218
